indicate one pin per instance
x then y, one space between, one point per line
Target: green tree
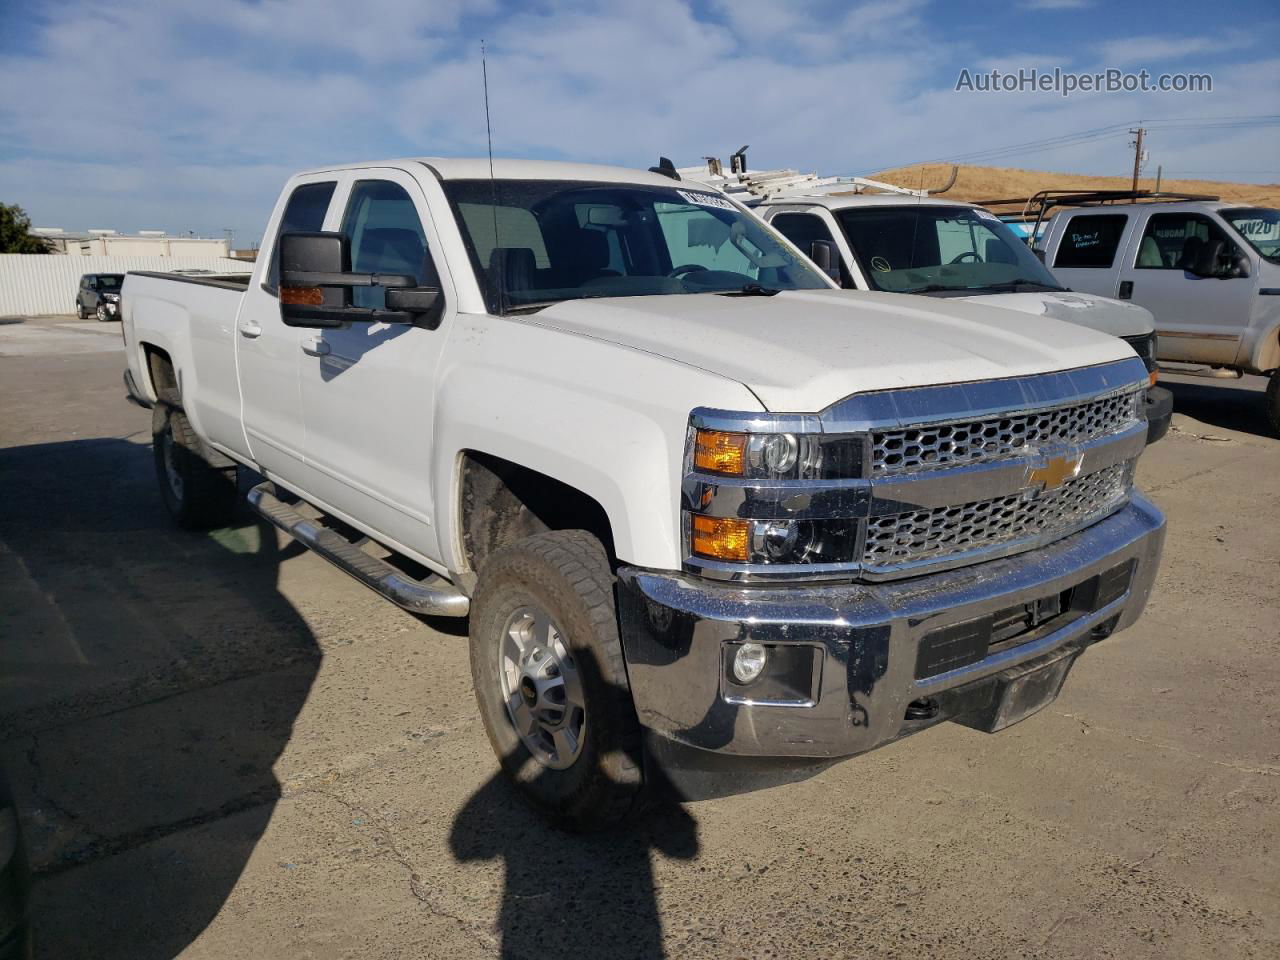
15 232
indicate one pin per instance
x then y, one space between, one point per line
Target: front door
268 353
368 389
1199 319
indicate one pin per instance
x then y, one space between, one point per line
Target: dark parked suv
99 295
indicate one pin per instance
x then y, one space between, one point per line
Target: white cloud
1157 51
1056 4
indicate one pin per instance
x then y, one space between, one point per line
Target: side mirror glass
826 258
1208 261
1239 266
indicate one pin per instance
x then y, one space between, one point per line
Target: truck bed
227 281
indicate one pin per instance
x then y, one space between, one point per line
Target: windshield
929 249
543 241
1260 228
110 281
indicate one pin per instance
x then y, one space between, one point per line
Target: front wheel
1273 402
197 495
102 314
551 681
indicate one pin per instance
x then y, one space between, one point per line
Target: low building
145 243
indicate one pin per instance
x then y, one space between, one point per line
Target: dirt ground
975 183
224 748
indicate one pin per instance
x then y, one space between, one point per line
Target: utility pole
1159 172
1137 155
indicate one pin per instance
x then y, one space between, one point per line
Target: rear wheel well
164 377
502 502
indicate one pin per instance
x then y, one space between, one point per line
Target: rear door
268 353
1086 253
1199 319
368 390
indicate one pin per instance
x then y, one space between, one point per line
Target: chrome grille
938 533
992 438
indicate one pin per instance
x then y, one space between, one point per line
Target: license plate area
1018 692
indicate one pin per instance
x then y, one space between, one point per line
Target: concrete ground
223 747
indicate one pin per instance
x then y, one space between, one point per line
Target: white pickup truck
715 522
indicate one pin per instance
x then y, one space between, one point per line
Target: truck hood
1116 317
801 351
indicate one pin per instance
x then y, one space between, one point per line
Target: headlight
778 492
111 297
776 456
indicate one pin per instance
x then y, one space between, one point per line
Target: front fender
607 420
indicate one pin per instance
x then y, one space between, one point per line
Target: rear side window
1174 241
304 213
1090 241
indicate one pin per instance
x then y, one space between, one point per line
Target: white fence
33 284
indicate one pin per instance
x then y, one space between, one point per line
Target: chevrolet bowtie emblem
1054 472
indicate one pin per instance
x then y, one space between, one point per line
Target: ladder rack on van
1037 206
750 185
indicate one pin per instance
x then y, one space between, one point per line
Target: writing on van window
1090 241
706 199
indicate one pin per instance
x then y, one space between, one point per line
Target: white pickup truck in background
715 522
870 235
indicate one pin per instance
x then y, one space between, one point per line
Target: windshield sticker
987 215
880 264
706 200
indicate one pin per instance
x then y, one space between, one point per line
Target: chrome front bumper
866 639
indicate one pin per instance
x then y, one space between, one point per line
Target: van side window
386 236
1090 241
304 212
804 228
1173 241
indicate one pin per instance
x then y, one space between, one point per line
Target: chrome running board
434 597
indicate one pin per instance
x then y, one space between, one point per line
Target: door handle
315 347
1126 289
250 330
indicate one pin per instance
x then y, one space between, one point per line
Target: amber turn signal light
720 538
302 296
1155 375
719 452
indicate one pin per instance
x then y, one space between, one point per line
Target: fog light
748 662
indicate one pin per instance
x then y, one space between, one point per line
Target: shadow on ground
572 895
1220 404
149 679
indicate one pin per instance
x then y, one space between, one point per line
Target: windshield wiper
932 288
1020 282
750 290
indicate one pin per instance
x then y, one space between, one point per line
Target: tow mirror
825 257
1208 263
316 285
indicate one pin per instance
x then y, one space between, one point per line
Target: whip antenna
498 263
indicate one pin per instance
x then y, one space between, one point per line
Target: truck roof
840 201
477 168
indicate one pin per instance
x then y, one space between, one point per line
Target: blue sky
166 114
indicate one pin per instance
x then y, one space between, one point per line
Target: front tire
1273 402
197 495
101 313
551 681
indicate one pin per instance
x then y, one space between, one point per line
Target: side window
804 228
386 236
1174 241
1090 241
304 212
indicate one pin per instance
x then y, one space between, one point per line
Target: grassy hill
986 183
